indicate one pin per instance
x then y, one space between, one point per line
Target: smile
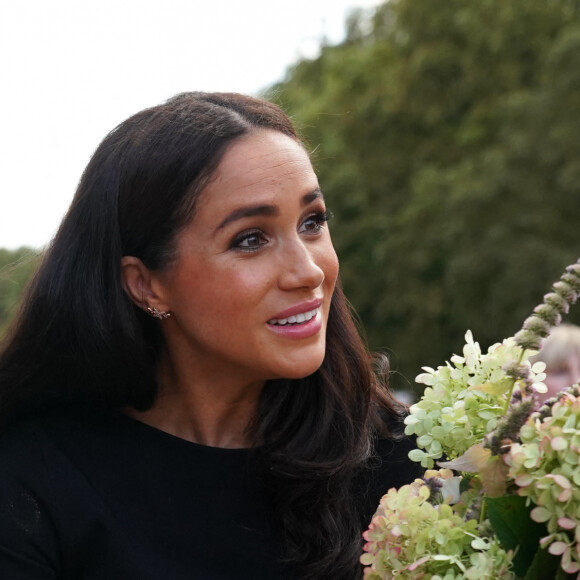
294 319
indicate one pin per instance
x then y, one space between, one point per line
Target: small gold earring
158 313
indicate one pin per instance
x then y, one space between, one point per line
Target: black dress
101 496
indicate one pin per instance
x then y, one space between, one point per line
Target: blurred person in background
561 353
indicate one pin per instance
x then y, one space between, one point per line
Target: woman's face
251 287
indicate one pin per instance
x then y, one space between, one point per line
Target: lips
297 314
294 319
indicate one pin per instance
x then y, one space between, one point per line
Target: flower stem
509 397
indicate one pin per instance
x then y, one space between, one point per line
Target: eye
249 241
314 223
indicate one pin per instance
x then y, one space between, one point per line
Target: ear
141 284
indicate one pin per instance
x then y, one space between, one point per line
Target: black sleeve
28 542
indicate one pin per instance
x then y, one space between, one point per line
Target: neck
213 411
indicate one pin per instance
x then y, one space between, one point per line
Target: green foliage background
446 136
16 267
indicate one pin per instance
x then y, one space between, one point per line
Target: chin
300 371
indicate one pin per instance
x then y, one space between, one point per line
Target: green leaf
416 455
465 482
543 566
510 519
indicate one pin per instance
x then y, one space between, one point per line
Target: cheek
248 282
234 295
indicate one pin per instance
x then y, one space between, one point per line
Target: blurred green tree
16 268
446 135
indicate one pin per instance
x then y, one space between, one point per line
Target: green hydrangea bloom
464 399
410 538
545 468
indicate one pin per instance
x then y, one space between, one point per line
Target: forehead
262 164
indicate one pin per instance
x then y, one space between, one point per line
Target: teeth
294 319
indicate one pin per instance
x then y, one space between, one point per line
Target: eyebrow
265 210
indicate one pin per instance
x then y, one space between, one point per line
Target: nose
299 267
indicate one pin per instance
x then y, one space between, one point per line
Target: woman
184 394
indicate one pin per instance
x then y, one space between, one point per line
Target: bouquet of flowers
505 503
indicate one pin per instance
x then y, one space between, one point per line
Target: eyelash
320 218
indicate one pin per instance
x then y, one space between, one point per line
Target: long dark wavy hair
78 336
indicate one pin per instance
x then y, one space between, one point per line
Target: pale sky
73 69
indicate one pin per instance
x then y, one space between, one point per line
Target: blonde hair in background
563 343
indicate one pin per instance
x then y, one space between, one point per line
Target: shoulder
39 448
21 450
31 449
31 430
28 544
49 462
